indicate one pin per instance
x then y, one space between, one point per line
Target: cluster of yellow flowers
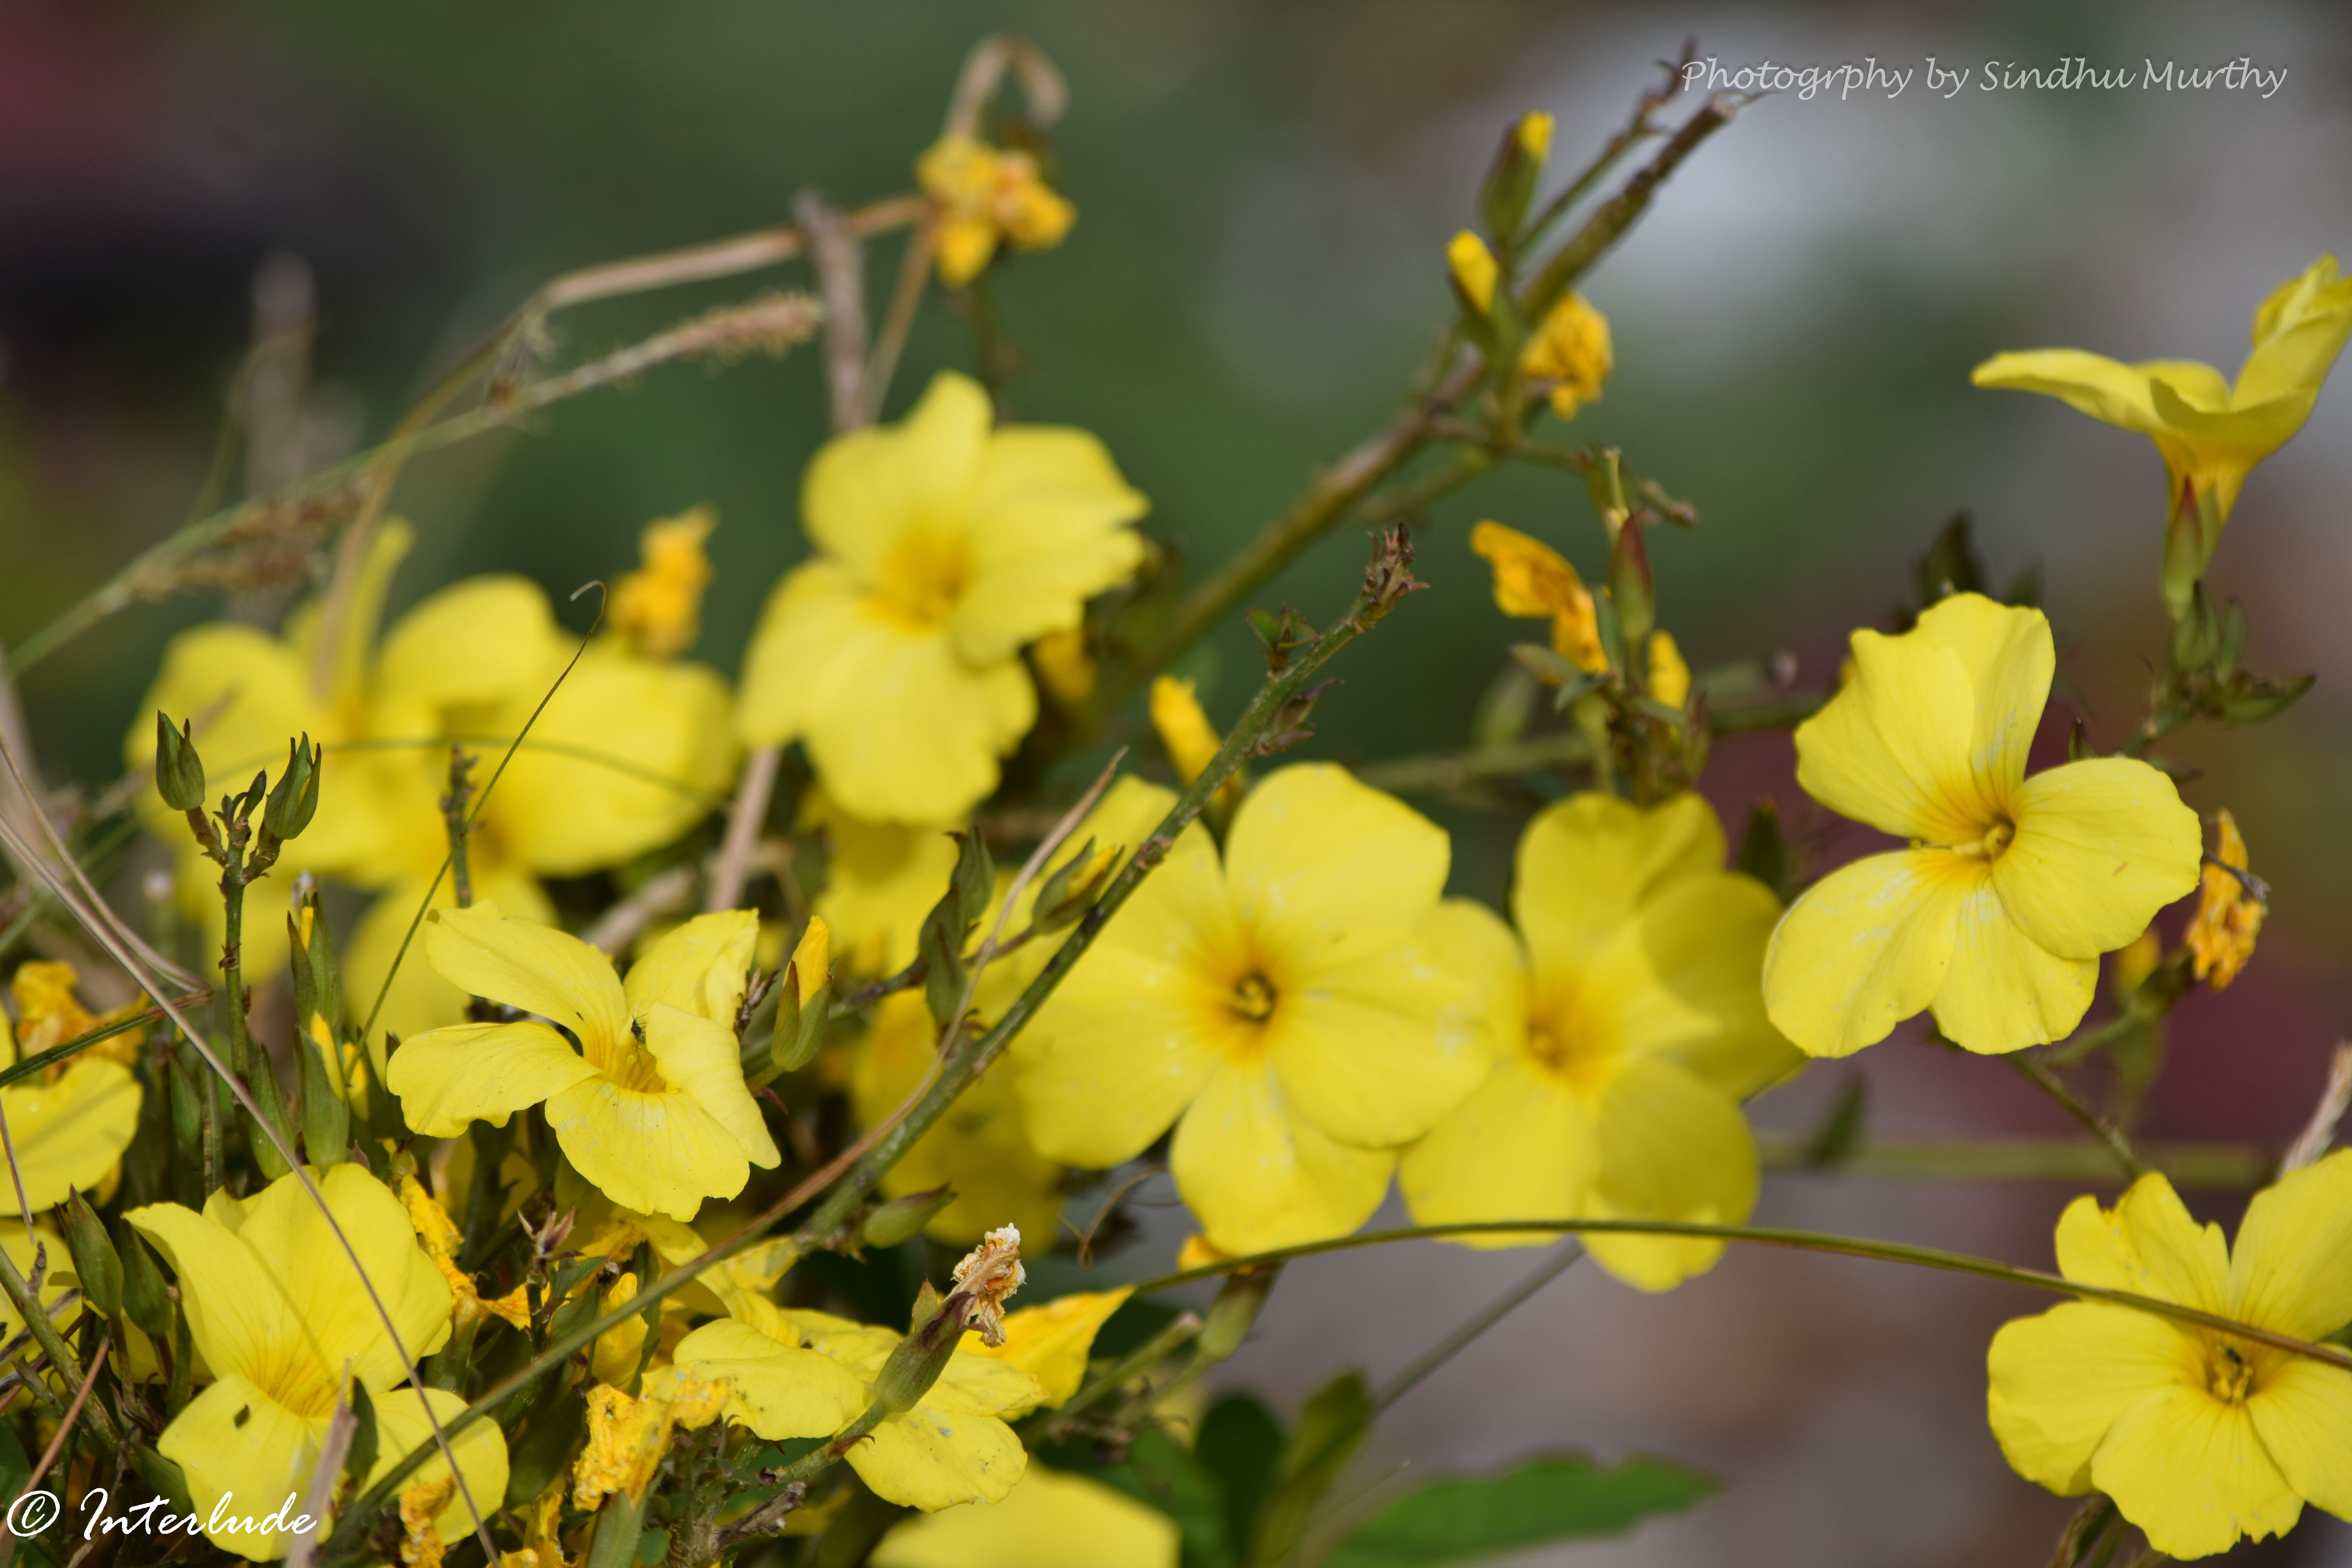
1274 993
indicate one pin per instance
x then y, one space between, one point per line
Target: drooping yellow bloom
651 1108
1051 1519
988 196
1532 579
626 755
280 1319
1191 741
977 1147
439 1234
2229 917
68 1124
1474 270
627 1437
943 547
1628 1027
2199 1437
1285 1010
658 607
49 1013
793 1374
1996 915
1572 352
1669 678
1051 1342
2212 433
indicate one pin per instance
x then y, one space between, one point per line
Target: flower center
1571 1054
923 577
2230 1377
1253 998
1989 847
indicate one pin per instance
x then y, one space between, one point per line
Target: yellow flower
988 196
49 1013
1532 579
1629 1028
439 1234
280 1319
1184 730
1572 350
421 1504
627 1439
1474 270
20 1253
943 547
1669 678
658 607
2199 1437
977 1147
1064 665
651 1108
2212 433
2012 888
791 1374
1051 1342
625 757
68 1123
2221 933
1050 1519
1285 1011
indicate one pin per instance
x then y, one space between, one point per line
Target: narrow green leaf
1544 1501
1332 1425
1240 1446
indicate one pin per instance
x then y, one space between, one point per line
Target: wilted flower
1532 579
1570 350
2229 916
988 196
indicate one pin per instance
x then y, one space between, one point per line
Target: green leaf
1543 1501
539 1455
15 1469
1332 1425
1240 1446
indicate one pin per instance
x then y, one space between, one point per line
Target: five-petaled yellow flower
2199 1436
944 546
2012 888
1629 1025
651 1108
1286 1011
2212 433
988 196
281 1320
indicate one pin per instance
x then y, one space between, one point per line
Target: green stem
232 963
1610 221
1772 1236
2110 1138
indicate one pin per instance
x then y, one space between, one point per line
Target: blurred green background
1263 194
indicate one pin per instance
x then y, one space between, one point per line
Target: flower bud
1072 889
1511 179
179 771
326 1113
296 799
1630 587
917 1361
144 1301
1234 1311
903 1219
95 1260
1473 271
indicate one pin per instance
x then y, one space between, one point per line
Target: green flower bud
296 799
903 1219
144 1299
179 771
95 1261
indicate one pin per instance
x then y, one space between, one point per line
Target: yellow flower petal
699 967
1374 1053
2229 917
656 1152
881 879
2291 1268
1047 532
2298 333
449 1078
400 1428
1051 1342
658 607
2001 990
2191 1473
1669 1148
1584 863
1865 948
1533 579
1521 1147
868 491
2302 1411
1669 678
930 1460
532 967
484 641
420 1000
778 1390
1331 870
701 1060
1894 747
1184 730
1679 982
1259 1176
2061 1380
70 1132
235 1443
2145 1243
2093 383
1050 1519
2101 846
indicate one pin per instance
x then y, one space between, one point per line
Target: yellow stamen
1253 998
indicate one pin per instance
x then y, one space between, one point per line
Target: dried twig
2320 1130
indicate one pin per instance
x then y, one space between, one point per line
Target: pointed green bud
1511 178
903 1219
263 1082
1630 586
179 771
296 799
144 1301
326 1114
95 1261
